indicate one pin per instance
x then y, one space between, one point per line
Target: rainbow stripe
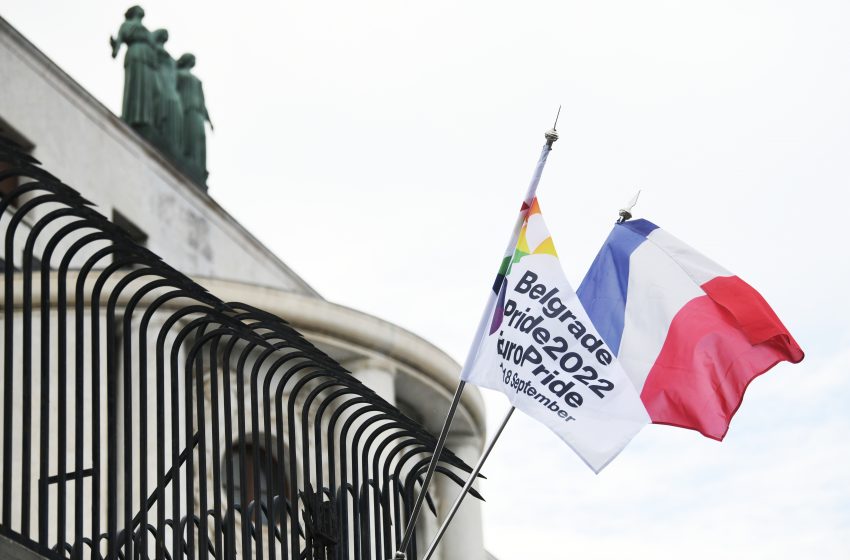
534 239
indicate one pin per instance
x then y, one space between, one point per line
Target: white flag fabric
543 352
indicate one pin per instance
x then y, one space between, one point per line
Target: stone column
464 537
376 373
379 375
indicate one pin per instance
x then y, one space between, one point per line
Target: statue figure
195 116
169 107
139 72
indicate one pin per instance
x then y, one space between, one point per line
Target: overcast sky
381 149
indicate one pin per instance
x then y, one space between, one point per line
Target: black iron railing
144 418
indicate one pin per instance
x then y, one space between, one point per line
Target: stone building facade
132 184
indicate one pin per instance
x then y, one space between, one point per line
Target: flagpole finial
552 134
626 213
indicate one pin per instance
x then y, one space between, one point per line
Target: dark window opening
258 483
410 411
134 232
8 132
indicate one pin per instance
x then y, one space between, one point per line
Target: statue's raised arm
132 18
115 44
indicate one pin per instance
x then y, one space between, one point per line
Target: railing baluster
197 357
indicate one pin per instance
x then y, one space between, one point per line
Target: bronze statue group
163 100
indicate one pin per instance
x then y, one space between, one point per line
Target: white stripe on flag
650 308
700 268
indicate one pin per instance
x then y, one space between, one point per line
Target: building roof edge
128 134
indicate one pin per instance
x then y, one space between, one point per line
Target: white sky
381 149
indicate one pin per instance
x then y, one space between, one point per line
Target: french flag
690 334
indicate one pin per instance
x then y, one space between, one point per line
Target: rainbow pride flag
542 351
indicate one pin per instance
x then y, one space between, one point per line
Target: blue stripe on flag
603 290
640 226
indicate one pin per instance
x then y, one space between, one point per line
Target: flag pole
465 490
551 137
432 466
624 215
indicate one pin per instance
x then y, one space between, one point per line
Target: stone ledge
11 550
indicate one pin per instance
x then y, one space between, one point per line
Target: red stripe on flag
752 313
717 344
